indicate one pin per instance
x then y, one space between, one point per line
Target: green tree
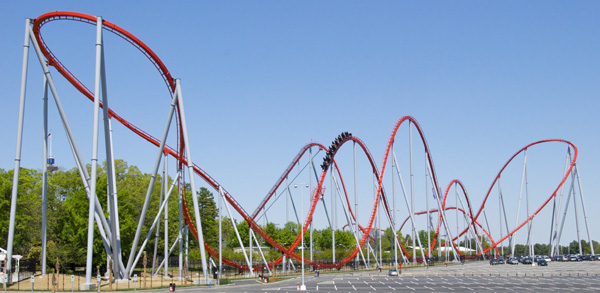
425 240
323 239
210 217
242 228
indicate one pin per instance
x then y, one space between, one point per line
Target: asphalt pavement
470 277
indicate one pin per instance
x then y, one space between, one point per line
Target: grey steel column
166 214
429 248
456 201
510 238
187 249
466 216
348 218
356 231
410 213
393 226
180 232
155 222
499 214
576 217
519 205
564 217
316 194
17 167
169 251
220 235
45 176
439 204
161 148
250 244
412 191
113 206
237 233
92 197
252 235
379 224
583 207
333 214
555 243
530 223
160 200
190 165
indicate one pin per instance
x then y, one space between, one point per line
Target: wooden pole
145 264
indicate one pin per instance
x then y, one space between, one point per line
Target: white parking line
392 288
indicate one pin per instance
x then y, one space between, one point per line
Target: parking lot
470 277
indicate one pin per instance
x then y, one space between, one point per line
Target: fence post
110 275
145 264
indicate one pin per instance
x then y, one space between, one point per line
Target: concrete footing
88 286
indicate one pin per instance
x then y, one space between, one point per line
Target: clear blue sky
261 79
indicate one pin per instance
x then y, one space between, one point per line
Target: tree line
67 219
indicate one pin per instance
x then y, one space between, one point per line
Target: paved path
471 277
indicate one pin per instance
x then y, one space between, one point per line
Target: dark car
542 262
493 261
559 258
512 261
587 257
527 260
575 258
500 261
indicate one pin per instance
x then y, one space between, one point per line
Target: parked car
588 257
575 258
542 262
500 261
493 261
512 261
393 272
559 258
527 260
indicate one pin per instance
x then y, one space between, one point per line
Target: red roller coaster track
250 218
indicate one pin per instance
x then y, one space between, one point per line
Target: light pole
302 287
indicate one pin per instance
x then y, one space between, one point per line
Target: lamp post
302 287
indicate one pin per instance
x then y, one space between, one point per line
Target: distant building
444 249
15 264
254 249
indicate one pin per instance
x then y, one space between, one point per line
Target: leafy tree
210 217
323 239
287 235
425 240
28 217
271 230
344 239
242 228
541 249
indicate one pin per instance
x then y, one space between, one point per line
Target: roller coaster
377 195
